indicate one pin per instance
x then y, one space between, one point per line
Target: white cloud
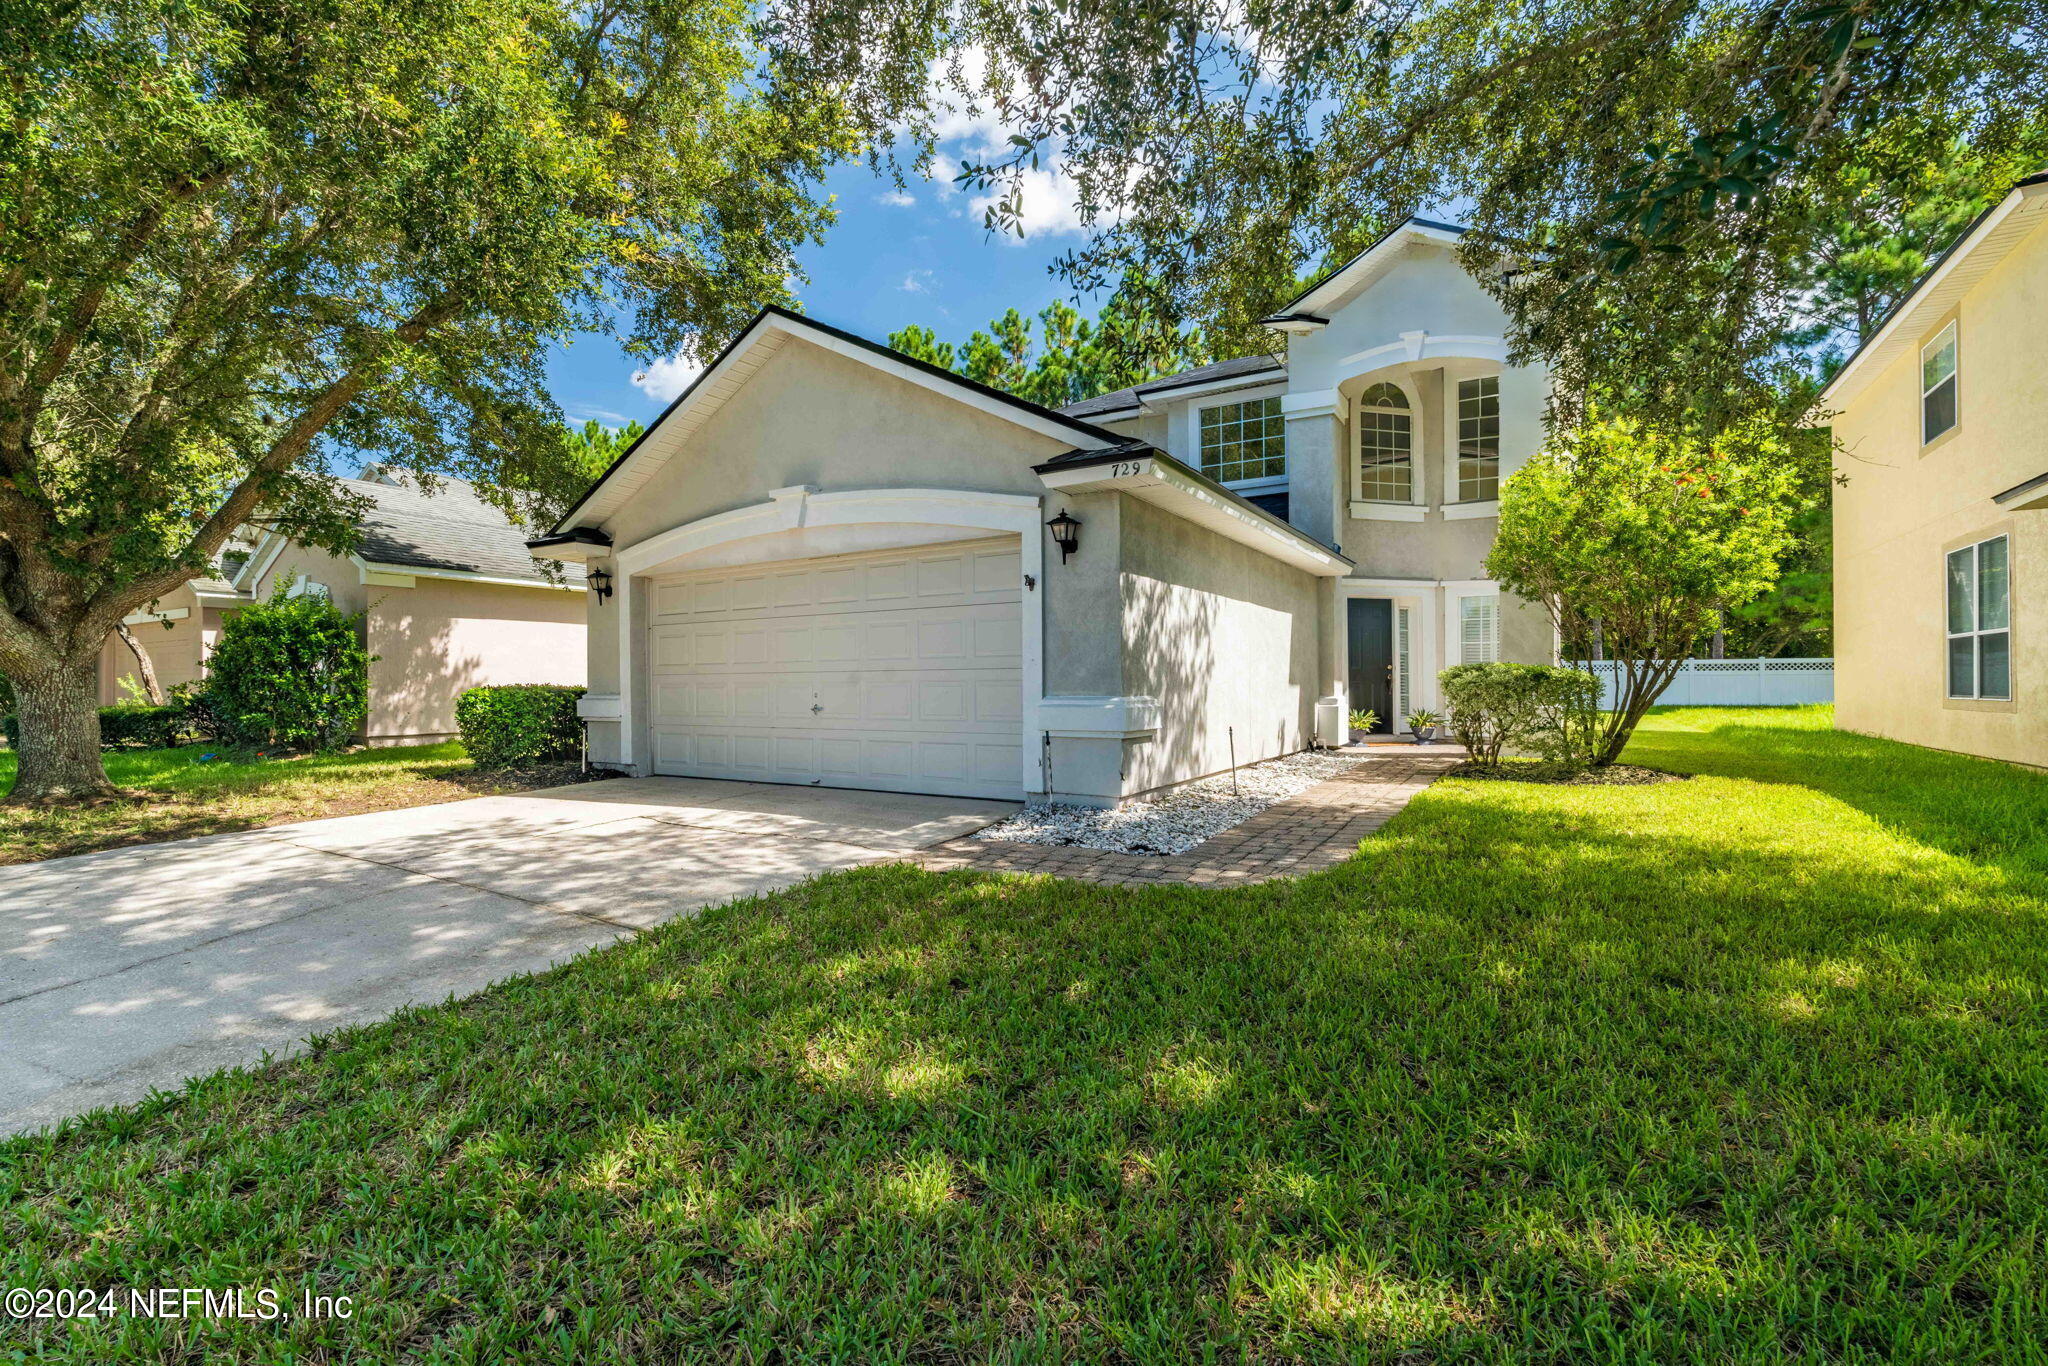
1048 202
900 199
667 377
917 282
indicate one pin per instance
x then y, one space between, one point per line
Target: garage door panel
899 670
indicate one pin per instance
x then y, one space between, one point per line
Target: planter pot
1425 735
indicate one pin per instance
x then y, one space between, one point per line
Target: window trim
1947 336
1418 495
1977 632
1192 435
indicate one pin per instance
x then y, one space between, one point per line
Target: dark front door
1372 658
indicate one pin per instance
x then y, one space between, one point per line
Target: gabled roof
1133 399
451 531
1969 259
1312 305
747 352
454 528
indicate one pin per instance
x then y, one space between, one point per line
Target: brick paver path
1307 833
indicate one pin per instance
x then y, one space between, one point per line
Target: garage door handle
815 709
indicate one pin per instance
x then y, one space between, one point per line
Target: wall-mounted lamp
1066 533
601 583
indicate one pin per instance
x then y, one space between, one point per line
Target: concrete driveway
136 968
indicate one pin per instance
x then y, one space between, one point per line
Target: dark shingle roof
1105 405
452 528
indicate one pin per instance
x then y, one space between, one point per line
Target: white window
1385 445
1479 439
1404 702
1938 385
1478 630
308 588
1980 620
1244 441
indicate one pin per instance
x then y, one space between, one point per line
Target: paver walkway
1307 833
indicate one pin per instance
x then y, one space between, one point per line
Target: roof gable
1985 243
770 330
1312 306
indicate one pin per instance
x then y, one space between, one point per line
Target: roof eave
1841 386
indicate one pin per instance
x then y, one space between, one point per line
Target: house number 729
1124 468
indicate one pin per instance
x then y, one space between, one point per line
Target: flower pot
1425 735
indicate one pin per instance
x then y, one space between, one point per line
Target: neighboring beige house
451 599
828 563
1941 555
177 631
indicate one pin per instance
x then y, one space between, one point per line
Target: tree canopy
1644 181
1070 357
1648 536
234 232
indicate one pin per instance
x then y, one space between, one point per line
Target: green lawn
181 796
1752 1067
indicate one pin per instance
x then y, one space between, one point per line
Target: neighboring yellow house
1941 549
449 595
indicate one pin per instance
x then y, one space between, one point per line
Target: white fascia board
1364 266
258 564
144 618
1160 481
388 574
1966 263
1275 379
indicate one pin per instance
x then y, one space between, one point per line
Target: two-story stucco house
1941 556
828 563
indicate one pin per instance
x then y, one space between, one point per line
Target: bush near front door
519 723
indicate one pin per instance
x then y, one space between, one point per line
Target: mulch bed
1531 771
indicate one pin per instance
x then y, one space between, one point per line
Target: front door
1371 627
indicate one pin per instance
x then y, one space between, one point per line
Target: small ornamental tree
1653 535
290 672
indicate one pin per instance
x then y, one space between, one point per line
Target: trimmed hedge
1523 706
519 723
127 725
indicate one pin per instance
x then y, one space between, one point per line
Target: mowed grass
179 796
1748 1068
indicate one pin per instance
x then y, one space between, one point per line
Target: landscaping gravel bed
1182 819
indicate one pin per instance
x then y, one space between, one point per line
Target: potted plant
1424 724
1362 723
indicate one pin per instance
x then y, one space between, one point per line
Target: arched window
1385 445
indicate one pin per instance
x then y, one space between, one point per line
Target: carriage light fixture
1066 533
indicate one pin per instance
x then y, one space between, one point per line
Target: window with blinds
1478 630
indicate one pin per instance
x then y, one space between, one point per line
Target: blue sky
893 258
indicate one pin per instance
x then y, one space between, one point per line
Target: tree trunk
151 689
59 714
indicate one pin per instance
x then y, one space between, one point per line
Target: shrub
291 672
137 725
126 725
1364 720
1492 706
1554 711
517 723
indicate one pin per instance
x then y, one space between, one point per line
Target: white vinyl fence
1738 682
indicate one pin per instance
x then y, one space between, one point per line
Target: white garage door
899 670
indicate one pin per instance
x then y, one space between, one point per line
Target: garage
897 670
